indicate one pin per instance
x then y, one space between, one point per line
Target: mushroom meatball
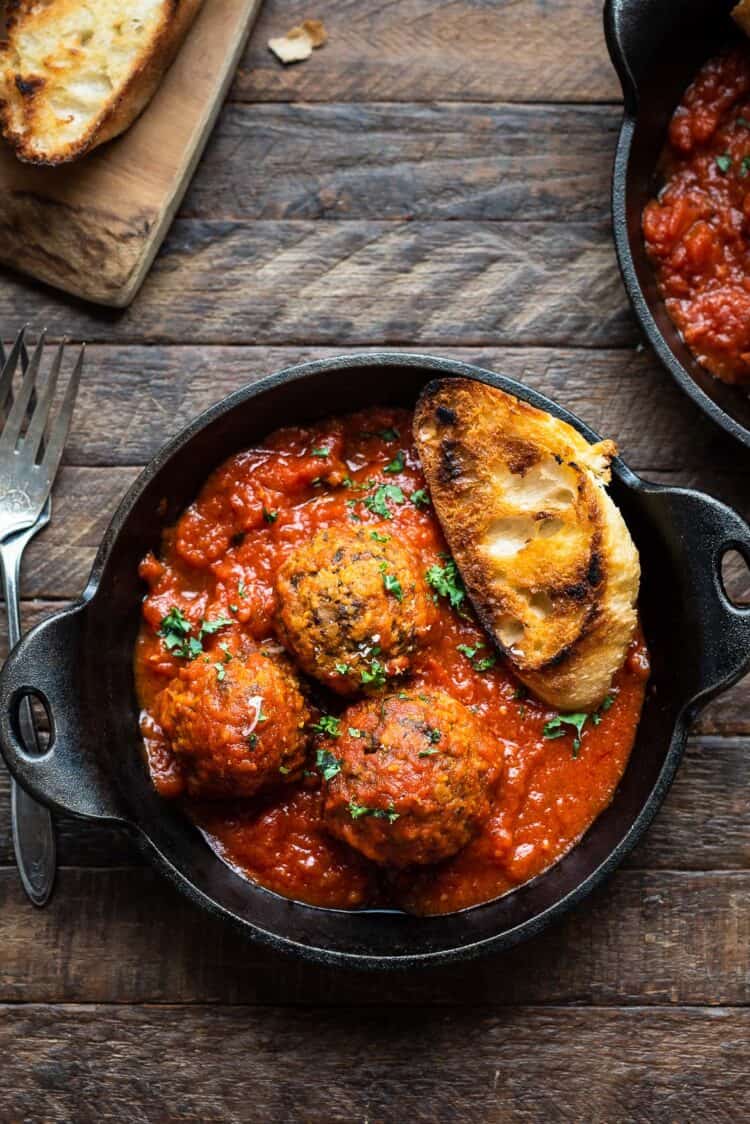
414 779
352 607
235 727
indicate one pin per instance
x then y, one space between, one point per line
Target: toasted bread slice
741 15
75 74
546 557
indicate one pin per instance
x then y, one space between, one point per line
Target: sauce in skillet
220 561
697 229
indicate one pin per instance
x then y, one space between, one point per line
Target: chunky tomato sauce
697 230
220 560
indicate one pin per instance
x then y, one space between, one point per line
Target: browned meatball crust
352 608
235 727
414 781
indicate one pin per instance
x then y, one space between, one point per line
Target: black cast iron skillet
80 664
657 47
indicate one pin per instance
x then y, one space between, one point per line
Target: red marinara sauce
221 559
697 230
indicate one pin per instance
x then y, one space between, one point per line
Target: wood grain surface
436 177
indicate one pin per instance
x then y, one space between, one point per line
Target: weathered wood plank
227 1065
702 826
635 941
376 161
133 399
361 282
415 50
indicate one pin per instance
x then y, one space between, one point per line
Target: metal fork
31 446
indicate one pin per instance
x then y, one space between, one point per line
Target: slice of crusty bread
741 15
75 73
546 557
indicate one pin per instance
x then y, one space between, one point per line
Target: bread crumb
298 43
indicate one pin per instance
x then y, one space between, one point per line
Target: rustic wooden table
436 178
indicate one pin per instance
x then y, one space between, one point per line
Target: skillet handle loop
69 775
723 627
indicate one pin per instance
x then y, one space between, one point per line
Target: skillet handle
719 631
69 775
633 30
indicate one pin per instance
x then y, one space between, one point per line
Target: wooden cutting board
93 227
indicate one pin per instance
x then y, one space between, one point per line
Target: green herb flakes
446 581
397 464
378 502
328 726
326 764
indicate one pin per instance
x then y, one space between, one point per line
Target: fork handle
33 831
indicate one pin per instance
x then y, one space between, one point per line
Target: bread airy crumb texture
741 15
544 552
74 74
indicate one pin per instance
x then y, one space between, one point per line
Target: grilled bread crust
545 554
73 74
741 15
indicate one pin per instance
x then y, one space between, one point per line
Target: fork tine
41 409
9 367
12 428
59 432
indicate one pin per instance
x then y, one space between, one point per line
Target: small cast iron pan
80 664
657 47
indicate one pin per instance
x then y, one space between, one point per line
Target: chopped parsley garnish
241 588
357 810
377 503
327 764
284 769
321 452
485 663
434 735
389 434
252 740
374 675
724 163
420 498
468 651
744 167
175 631
397 464
377 537
351 504
220 672
327 725
391 583
270 516
234 608
556 727
446 581
341 668
427 752
354 732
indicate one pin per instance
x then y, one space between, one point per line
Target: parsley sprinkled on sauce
434 735
351 504
391 583
241 588
377 537
270 516
428 752
358 810
446 581
327 765
341 668
562 724
327 725
321 452
234 608
485 663
468 651
354 732
744 167
252 740
420 498
724 163
378 502
284 769
176 632
397 464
